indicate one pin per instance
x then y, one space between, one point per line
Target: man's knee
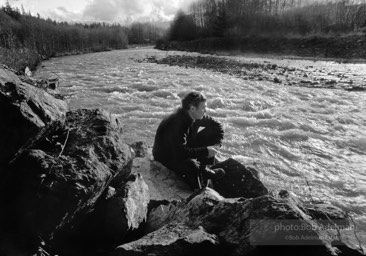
189 170
191 164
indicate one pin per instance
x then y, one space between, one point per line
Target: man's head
195 104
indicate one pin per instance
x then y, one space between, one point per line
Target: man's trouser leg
206 162
188 170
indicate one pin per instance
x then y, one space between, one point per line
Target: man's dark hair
192 99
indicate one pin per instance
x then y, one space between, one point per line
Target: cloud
123 11
63 14
110 11
101 10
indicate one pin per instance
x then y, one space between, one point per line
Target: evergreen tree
183 28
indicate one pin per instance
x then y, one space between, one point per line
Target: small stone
277 80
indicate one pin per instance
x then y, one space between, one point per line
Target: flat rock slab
164 184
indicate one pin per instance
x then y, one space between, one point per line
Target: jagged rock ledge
71 186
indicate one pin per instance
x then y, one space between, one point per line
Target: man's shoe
214 174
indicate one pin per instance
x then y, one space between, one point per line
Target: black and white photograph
182 127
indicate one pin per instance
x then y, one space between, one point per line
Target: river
306 140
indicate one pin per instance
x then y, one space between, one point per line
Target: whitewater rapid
310 141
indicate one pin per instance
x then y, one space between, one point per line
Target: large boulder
121 210
24 110
132 200
255 226
56 179
239 181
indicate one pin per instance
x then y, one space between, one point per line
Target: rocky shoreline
71 186
309 77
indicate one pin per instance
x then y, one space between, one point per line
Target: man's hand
211 152
196 163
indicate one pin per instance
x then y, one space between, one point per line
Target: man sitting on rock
176 145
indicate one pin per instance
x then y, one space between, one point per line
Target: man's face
198 112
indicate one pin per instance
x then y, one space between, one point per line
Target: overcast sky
111 11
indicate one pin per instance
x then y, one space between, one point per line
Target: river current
309 141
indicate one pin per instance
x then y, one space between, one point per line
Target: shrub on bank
19 59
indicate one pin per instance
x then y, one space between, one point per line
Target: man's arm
183 149
217 129
206 132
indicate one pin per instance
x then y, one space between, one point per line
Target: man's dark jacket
170 145
179 138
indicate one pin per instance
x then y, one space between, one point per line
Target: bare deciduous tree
242 17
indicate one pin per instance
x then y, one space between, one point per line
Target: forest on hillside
233 18
25 39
